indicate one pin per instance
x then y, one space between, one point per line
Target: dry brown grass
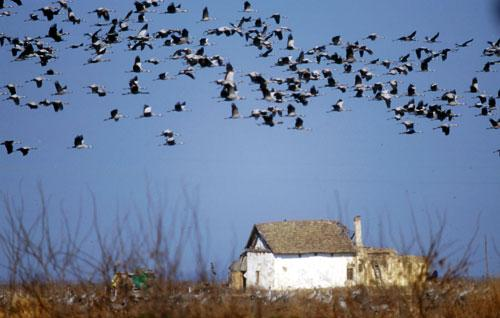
461 298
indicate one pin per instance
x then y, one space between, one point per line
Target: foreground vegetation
461 298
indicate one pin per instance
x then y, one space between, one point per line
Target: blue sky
354 162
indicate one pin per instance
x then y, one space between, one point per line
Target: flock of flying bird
265 34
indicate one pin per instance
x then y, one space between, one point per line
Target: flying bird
445 128
410 128
338 106
188 72
25 150
408 38
9 145
290 111
168 133
235 114
432 39
102 13
147 112
79 143
173 8
60 89
247 7
464 44
373 36
205 16
32 105
179 107
115 115
299 124
170 141
495 124
38 81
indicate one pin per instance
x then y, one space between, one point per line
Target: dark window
350 273
257 278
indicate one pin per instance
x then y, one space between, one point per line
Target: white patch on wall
280 272
310 271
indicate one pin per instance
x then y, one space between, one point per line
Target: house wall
263 263
389 269
310 271
236 280
281 272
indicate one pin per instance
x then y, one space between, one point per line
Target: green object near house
140 280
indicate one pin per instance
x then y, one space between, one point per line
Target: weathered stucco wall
310 271
260 270
388 268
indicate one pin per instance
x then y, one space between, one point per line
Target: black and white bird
290 43
205 16
410 128
102 12
115 115
15 98
137 66
18 2
25 150
180 107
338 106
32 105
163 77
487 66
235 113
11 88
97 89
168 133
373 36
464 44
299 124
37 80
474 86
134 87
495 124
189 71
172 8
79 143
445 128
290 111
170 141
147 112
408 38
9 145
269 120
58 105
60 89
432 39
247 7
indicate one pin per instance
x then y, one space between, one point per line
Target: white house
316 254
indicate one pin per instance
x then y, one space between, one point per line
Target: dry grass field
460 298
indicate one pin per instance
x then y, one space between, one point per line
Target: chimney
357 231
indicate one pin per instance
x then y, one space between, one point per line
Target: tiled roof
301 237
